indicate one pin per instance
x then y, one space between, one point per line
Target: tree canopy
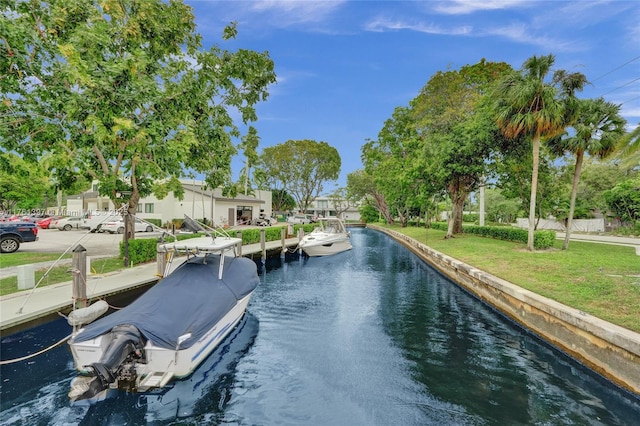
595 132
124 91
528 105
300 168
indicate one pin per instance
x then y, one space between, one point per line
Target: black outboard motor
126 344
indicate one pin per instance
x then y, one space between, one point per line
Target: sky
343 66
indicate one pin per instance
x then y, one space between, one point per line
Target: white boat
330 236
169 330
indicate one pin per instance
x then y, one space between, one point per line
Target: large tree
527 104
362 187
124 89
459 138
300 168
595 133
393 163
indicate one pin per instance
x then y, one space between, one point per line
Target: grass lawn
21 258
600 279
56 275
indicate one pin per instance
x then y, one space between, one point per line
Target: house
197 202
325 206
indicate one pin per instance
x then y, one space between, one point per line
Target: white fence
578 225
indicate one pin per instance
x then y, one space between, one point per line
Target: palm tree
596 132
629 149
527 105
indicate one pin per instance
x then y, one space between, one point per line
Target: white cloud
465 7
522 33
383 24
288 13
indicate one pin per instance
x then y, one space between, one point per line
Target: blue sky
344 66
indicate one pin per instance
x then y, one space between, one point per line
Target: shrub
541 239
471 218
140 250
156 222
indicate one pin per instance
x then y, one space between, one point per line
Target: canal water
373 336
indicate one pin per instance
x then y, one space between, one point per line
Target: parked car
93 221
12 234
45 223
67 223
117 226
299 218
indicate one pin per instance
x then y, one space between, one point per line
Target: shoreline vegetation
602 280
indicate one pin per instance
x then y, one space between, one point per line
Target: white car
299 218
117 226
93 221
67 223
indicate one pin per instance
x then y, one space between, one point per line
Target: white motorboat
169 330
330 236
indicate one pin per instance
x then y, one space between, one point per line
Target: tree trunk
383 208
455 222
458 195
574 193
534 189
129 217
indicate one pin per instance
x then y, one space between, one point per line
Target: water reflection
463 352
373 336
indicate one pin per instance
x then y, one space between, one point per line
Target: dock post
79 271
263 246
239 248
161 262
283 238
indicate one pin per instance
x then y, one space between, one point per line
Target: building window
95 187
322 204
139 208
148 208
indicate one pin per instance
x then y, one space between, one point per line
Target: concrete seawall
610 350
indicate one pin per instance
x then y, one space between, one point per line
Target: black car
12 234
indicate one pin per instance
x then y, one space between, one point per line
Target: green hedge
140 250
541 239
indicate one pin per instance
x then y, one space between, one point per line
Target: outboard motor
116 363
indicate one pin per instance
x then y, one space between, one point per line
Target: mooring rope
55 345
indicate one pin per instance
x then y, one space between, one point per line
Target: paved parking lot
55 241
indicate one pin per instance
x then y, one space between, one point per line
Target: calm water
373 336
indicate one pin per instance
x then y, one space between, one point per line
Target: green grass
58 274
600 279
21 258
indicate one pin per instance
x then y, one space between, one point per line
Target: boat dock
28 308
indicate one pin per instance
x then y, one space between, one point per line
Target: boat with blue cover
169 330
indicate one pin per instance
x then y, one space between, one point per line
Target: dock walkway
29 306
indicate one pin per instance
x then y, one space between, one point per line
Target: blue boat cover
190 300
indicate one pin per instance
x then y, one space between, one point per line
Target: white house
324 206
198 203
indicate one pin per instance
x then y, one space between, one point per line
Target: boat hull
326 248
163 364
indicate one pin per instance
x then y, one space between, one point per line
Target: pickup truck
12 234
